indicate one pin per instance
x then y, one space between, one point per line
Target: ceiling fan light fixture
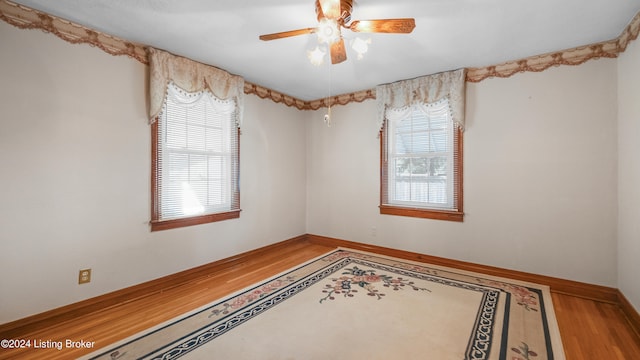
316 56
360 46
328 31
333 15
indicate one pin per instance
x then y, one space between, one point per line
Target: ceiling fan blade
330 8
338 52
285 34
395 26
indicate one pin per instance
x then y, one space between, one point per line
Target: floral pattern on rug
256 294
354 277
523 350
524 297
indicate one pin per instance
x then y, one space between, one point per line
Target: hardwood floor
594 330
589 329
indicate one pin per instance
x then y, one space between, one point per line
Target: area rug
354 305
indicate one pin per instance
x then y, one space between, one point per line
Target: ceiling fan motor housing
344 13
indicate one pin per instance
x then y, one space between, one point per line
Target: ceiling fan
336 14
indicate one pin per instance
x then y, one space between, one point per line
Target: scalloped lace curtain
424 90
190 76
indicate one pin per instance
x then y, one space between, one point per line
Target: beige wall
75 169
539 177
542 179
629 174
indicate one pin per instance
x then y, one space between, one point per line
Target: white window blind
420 160
197 155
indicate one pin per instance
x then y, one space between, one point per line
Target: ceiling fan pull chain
327 116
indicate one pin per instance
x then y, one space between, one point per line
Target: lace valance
190 76
424 90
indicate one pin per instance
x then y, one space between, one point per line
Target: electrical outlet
84 276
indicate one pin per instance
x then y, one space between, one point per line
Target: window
421 122
421 162
195 111
196 160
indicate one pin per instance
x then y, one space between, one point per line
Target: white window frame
394 203
427 111
183 195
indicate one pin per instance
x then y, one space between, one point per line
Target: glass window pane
176 137
195 150
439 122
216 167
404 126
403 143
420 158
178 167
402 190
215 140
420 142
438 166
197 140
438 141
197 167
402 166
419 190
216 193
419 166
420 121
437 191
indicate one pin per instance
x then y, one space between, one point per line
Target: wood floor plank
589 329
594 330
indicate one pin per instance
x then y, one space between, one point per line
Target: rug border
552 326
101 351
554 330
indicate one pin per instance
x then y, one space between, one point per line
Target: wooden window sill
422 213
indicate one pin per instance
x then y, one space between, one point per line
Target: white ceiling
449 34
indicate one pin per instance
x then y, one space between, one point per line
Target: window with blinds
421 162
197 160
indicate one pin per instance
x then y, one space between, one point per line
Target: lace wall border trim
575 56
26 18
